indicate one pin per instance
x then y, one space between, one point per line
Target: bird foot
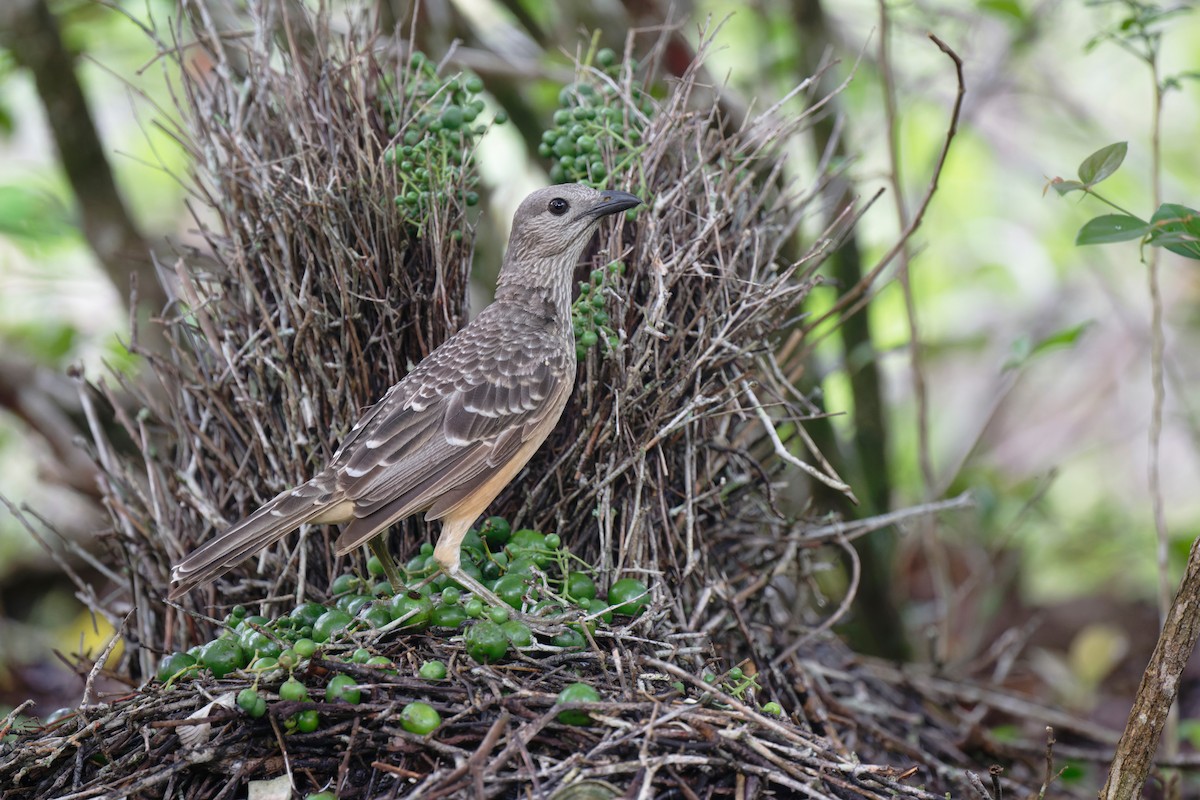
540 625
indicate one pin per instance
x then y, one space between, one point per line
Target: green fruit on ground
629 596
473 608
250 621
265 664
571 639
527 539
361 656
517 632
342 687
580 586
511 589
174 663
378 661
246 699
255 642
308 613
353 603
305 647
320 796
419 607
222 656
597 606
496 532
330 625
773 708
308 721
577 693
432 670
447 616
376 615
420 718
292 690
344 584
485 642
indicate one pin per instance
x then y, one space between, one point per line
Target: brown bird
449 436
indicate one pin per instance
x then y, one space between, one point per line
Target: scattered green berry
577 693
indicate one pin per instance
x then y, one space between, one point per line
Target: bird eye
558 206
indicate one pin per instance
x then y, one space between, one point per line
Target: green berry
517 633
447 616
569 639
174 663
330 625
577 693
420 718
773 708
222 656
246 699
307 613
606 57
474 608
308 721
293 690
344 584
404 605
629 596
485 642
432 670
579 586
496 532
342 687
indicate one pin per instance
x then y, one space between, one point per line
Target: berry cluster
435 151
588 317
594 128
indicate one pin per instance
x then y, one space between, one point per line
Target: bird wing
462 413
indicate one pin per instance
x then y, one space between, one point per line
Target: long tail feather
261 529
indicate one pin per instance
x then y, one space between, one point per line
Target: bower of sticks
682 460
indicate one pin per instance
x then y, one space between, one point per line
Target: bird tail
261 529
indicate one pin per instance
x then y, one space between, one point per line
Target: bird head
558 221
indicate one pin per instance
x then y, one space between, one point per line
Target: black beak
614 202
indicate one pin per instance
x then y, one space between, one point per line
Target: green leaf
1025 349
1102 163
1176 228
1111 228
1003 8
1065 187
32 216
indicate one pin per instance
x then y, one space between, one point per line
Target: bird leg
379 548
448 555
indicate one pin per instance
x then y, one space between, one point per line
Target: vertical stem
1157 345
928 525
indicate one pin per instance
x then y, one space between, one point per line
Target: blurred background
1033 382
